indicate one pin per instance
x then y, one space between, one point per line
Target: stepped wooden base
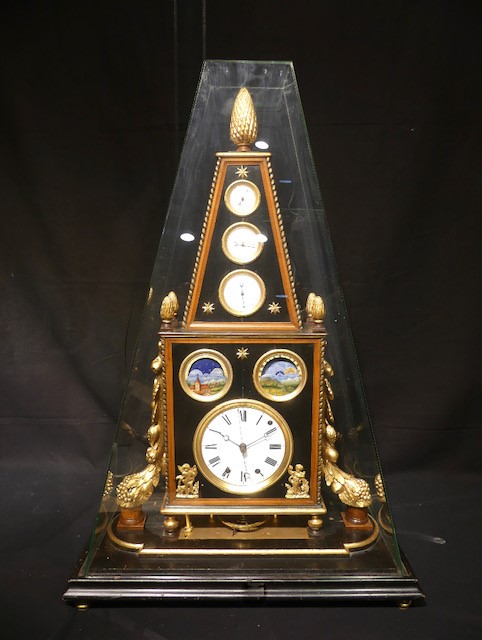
280 561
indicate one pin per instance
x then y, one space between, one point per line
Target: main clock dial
243 446
242 292
242 197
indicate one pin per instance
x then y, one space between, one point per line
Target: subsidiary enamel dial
242 242
242 292
243 446
242 197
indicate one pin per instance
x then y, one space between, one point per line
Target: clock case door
124 569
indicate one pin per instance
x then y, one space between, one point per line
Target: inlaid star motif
208 307
274 307
242 172
242 353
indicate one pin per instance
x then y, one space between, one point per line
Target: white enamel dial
242 292
242 242
242 197
243 446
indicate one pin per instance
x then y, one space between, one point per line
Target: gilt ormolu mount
258 477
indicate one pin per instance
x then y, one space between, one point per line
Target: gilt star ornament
242 172
274 308
208 307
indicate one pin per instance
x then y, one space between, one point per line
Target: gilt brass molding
346 549
135 489
202 238
284 244
352 491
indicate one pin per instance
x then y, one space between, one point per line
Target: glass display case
244 464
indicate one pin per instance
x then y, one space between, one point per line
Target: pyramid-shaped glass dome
319 522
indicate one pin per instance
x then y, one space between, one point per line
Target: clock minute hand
263 437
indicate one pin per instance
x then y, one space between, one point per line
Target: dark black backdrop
94 102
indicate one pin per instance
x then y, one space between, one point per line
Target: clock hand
242 446
244 244
241 284
263 437
251 444
247 475
226 438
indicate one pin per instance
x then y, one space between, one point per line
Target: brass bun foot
170 526
81 607
314 525
356 518
132 519
404 604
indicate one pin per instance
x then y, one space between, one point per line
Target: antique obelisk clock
242 454
245 426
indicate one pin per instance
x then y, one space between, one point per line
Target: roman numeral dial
253 446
